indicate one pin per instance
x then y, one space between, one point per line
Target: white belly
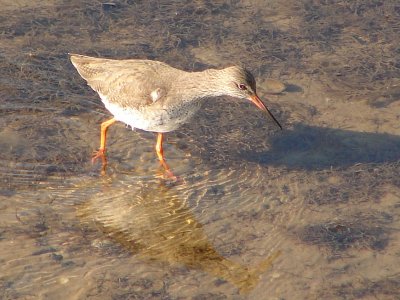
149 119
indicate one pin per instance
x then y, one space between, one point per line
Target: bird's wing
128 83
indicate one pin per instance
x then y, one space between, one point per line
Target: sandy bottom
310 212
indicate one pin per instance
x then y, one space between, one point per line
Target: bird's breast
156 118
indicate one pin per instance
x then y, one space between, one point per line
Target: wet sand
310 212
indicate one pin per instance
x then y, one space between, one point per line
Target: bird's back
93 67
128 83
140 93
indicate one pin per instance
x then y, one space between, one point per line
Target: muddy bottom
309 212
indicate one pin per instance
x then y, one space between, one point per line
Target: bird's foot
99 154
168 174
167 171
175 179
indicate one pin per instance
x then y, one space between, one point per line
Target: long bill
257 101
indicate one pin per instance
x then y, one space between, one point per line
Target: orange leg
102 150
160 154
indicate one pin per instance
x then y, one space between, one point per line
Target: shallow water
310 212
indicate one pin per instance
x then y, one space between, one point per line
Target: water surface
310 212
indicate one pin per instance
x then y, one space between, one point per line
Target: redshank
153 96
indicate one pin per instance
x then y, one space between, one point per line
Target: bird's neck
205 84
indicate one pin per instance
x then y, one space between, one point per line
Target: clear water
310 212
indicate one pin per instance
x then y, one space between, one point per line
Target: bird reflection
157 225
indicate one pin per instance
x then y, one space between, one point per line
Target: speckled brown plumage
154 96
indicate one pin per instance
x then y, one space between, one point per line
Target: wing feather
128 83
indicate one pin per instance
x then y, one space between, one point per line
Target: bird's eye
242 87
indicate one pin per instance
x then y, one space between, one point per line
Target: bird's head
241 84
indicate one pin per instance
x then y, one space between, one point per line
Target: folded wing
128 83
